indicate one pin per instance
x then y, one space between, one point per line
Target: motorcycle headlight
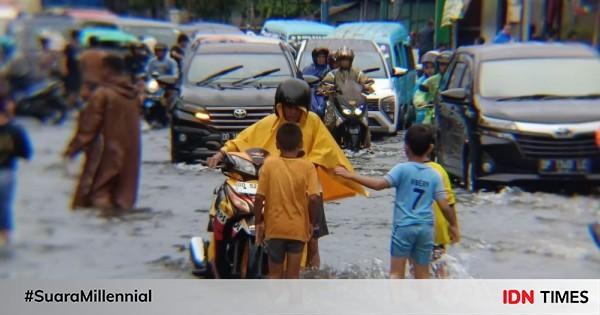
152 86
358 111
243 166
347 111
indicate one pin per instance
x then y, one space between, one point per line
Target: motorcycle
43 101
233 252
349 106
158 99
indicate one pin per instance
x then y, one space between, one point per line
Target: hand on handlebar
214 160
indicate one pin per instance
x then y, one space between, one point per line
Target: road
510 234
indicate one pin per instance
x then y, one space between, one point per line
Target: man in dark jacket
109 134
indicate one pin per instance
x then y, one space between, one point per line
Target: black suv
518 113
228 84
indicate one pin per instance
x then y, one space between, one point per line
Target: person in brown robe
109 134
90 63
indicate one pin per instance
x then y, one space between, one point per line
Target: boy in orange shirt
288 191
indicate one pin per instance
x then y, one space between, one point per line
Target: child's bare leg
421 271
398 267
313 260
275 270
292 269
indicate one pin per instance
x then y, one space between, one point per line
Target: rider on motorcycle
291 105
335 79
162 63
428 91
428 61
319 68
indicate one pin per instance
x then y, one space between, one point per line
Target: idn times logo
513 296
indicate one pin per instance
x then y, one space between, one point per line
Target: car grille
223 118
580 146
373 105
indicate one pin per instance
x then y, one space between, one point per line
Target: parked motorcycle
349 106
42 100
158 99
233 252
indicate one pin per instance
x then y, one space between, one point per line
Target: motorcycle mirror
155 74
167 79
398 72
369 70
311 79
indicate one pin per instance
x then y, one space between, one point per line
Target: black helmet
293 92
319 51
160 46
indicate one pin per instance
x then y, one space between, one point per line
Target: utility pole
525 20
384 10
325 11
596 39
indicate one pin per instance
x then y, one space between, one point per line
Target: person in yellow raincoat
292 101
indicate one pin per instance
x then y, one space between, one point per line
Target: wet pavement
510 234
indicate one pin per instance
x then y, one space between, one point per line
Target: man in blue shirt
417 186
162 64
504 36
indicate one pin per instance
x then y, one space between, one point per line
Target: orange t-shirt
286 185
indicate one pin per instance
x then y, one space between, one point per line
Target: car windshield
543 76
363 60
204 65
165 35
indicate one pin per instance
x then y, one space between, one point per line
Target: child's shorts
7 186
413 241
277 248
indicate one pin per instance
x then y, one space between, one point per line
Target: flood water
506 234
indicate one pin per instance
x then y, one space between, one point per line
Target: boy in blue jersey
417 187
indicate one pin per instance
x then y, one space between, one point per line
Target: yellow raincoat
319 146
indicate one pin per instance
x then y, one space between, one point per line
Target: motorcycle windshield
350 95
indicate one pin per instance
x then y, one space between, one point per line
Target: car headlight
198 111
497 123
347 111
243 166
358 111
152 86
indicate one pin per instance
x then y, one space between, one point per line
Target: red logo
517 297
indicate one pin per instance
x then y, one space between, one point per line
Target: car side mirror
311 79
458 95
398 72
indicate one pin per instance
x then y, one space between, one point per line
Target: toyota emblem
562 133
240 113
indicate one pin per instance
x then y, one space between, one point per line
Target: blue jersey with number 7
417 186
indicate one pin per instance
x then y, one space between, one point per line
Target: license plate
228 136
561 166
246 188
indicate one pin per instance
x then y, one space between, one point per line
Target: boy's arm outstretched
375 183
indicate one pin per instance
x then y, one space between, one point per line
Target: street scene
299 139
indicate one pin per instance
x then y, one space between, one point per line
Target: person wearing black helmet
292 100
338 78
319 68
162 63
